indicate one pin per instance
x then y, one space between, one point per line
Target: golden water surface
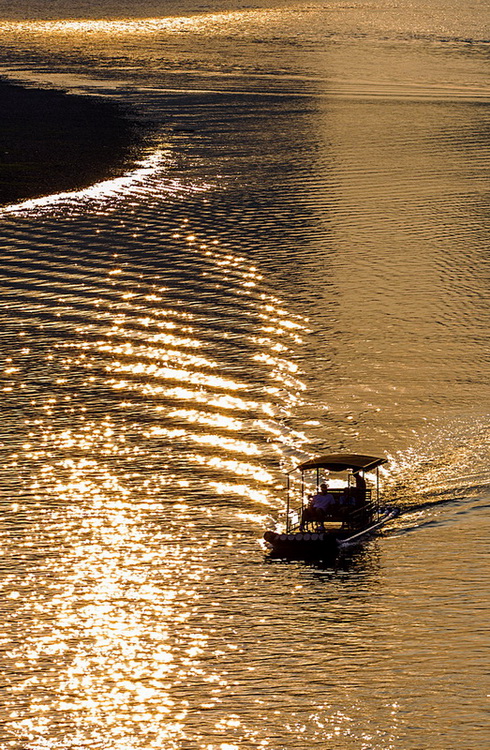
296 263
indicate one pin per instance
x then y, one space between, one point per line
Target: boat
352 511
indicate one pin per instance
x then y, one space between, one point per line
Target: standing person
360 489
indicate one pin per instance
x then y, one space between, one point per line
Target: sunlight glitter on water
118 658
108 607
211 23
104 190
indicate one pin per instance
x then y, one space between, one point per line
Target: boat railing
358 517
351 512
351 516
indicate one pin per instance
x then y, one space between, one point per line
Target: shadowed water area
51 141
295 263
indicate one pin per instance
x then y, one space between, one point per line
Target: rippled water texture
297 263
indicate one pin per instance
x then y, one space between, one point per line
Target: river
297 264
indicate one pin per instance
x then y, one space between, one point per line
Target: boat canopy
342 462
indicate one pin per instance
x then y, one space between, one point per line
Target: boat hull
301 545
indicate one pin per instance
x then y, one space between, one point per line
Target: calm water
298 263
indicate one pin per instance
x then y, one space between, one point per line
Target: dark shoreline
52 142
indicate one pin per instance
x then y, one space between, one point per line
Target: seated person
323 500
347 500
320 506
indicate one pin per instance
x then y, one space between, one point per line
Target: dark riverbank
51 141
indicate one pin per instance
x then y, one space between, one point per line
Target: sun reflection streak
155 442
241 491
204 22
217 442
172 373
118 632
211 419
152 353
240 468
186 395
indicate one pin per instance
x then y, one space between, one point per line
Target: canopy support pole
302 491
287 506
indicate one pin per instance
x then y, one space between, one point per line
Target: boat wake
445 476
